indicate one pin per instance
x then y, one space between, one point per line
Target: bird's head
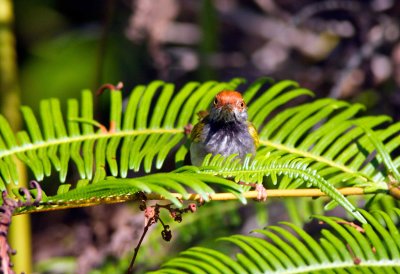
228 107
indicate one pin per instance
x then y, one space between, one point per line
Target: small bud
149 212
166 234
178 218
192 207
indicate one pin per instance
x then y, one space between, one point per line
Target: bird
225 130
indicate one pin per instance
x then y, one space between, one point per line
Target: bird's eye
215 101
242 104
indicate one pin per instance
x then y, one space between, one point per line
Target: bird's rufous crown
229 97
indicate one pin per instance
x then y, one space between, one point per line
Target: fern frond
254 171
323 132
289 249
139 135
171 186
143 136
381 150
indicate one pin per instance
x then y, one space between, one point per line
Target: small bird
225 130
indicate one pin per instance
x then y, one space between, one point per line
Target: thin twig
146 228
152 215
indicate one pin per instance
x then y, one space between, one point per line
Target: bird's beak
227 108
227 112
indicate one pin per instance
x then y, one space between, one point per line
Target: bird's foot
202 201
261 191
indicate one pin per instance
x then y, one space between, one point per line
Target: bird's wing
254 134
202 114
195 135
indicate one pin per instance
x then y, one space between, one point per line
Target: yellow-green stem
277 193
20 233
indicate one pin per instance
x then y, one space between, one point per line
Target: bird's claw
202 201
261 193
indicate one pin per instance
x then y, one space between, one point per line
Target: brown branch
271 193
7 209
277 193
395 192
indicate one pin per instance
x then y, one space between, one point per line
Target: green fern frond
381 150
386 203
374 248
139 135
254 171
323 132
151 126
112 190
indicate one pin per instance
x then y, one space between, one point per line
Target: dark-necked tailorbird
225 130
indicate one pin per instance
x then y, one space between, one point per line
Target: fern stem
95 136
395 192
277 193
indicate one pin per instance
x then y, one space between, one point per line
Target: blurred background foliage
343 49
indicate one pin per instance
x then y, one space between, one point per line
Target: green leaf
254 171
